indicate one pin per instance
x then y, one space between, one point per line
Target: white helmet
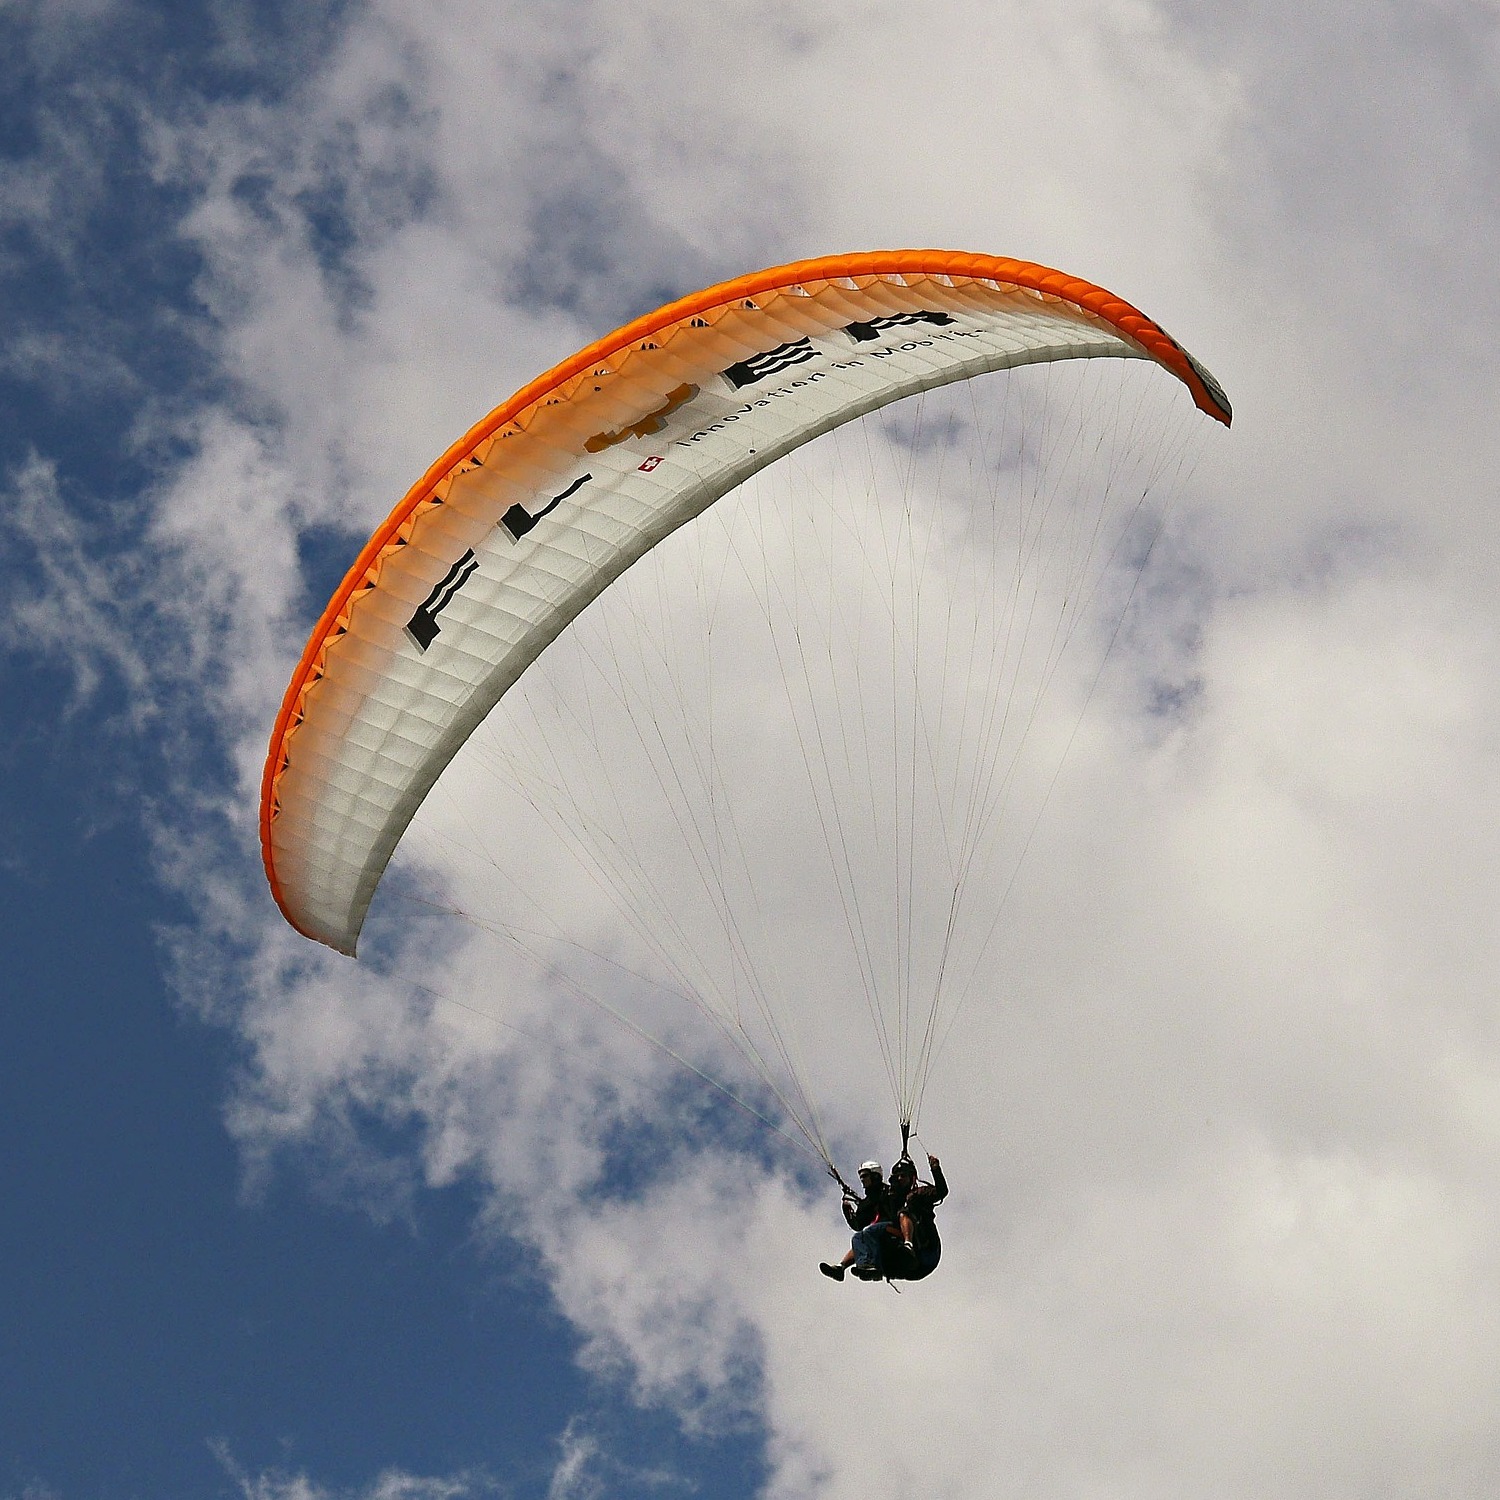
870 1166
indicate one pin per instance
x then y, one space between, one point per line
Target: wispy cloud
392 1484
67 599
575 1477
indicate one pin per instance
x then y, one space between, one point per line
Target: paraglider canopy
559 490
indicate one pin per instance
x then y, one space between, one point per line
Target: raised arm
938 1180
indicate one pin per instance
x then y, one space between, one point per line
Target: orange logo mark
652 422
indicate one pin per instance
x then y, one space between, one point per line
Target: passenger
873 1207
875 1211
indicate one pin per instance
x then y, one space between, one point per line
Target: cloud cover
1224 1159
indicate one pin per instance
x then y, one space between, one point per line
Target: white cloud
1223 1153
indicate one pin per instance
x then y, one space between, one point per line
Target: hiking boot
833 1273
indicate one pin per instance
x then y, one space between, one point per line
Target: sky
1224 1145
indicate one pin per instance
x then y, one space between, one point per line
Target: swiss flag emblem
650 463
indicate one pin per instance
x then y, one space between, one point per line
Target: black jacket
920 1206
876 1207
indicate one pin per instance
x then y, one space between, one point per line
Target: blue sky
1225 1156
166 1330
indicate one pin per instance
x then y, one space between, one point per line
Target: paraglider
560 496
895 1226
